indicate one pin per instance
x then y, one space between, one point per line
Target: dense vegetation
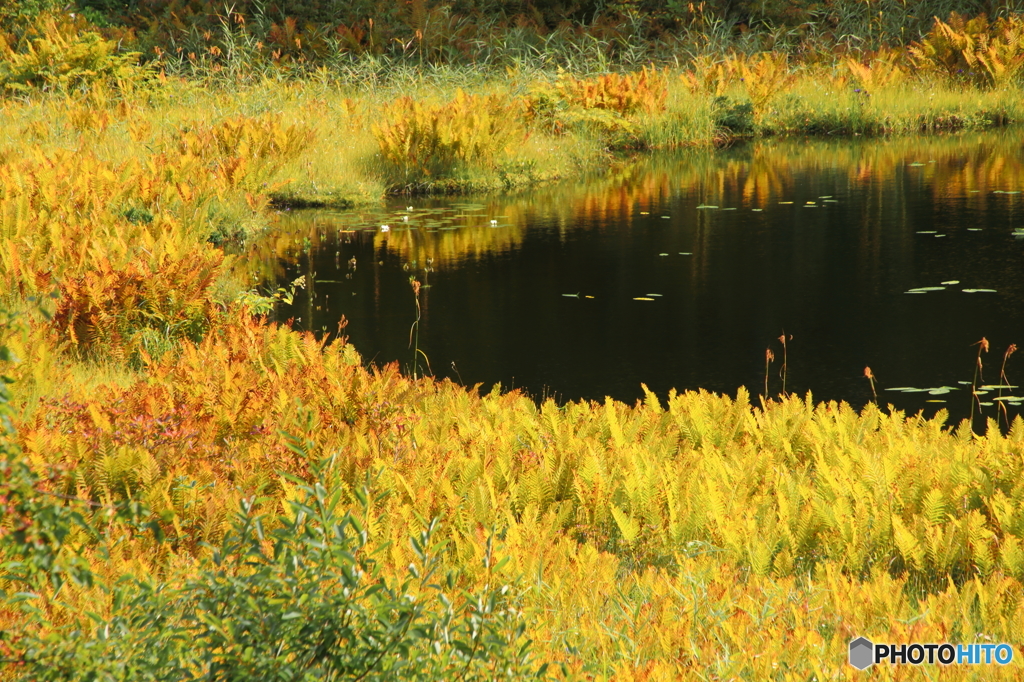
190 492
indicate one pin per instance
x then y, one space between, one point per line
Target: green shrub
294 599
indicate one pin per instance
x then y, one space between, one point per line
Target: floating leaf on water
915 164
807 206
939 391
655 295
704 206
571 295
1014 398
902 388
757 209
785 202
979 291
666 217
1016 191
831 201
966 383
825 196
974 229
1015 404
935 401
951 282
926 289
986 404
724 209
645 213
927 232
685 253
991 387
642 298
811 203
997 191
588 297
662 254
915 292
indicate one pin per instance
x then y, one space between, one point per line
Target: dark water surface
821 240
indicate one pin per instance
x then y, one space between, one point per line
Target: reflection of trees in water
757 175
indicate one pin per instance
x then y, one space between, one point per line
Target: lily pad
685 253
662 254
704 206
1010 398
642 298
927 232
655 295
979 291
951 282
926 289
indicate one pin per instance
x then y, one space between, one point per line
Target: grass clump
423 145
62 53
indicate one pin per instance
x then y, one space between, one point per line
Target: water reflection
680 270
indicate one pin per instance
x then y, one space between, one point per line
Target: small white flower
405 218
385 228
494 222
408 208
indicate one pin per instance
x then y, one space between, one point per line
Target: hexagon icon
862 653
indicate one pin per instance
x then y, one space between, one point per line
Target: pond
680 270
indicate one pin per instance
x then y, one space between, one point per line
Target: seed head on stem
871 378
